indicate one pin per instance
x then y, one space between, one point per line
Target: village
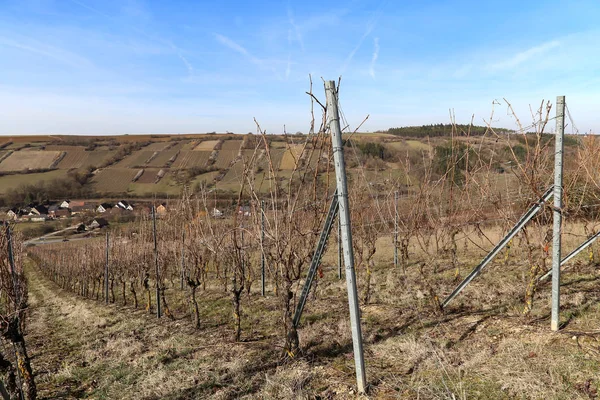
84 215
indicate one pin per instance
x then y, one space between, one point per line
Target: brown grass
481 348
290 157
24 160
207 145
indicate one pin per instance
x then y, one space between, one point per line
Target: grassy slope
481 348
9 182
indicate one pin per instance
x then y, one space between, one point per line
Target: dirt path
84 349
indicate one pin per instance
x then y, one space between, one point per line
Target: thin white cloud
374 57
369 28
225 41
296 29
261 63
135 10
55 53
523 56
358 45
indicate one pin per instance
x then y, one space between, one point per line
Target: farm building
72 204
38 210
125 205
98 223
104 207
13 214
62 214
53 209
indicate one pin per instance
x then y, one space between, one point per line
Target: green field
9 182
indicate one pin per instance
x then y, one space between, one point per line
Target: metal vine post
344 215
557 215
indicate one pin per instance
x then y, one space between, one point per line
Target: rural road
47 238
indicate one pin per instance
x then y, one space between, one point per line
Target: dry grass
290 157
157 146
481 348
231 145
207 145
24 160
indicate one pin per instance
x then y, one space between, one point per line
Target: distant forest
436 130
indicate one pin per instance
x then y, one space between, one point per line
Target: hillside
161 165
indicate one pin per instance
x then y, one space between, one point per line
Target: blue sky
141 66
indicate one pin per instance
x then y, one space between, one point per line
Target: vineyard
113 179
246 306
190 159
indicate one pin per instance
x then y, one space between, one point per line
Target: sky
142 66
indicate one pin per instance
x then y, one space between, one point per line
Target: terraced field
207 145
57 147
24 160
228 153
162 158
276 156
290 157
149 175
231 145
98 157
77 157
137 158
73 159
113 180
191 159
189 145
157 146
181 145
236 171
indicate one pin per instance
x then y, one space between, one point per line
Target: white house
125 205
38 210
217 213
12 214
104 207
98 223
